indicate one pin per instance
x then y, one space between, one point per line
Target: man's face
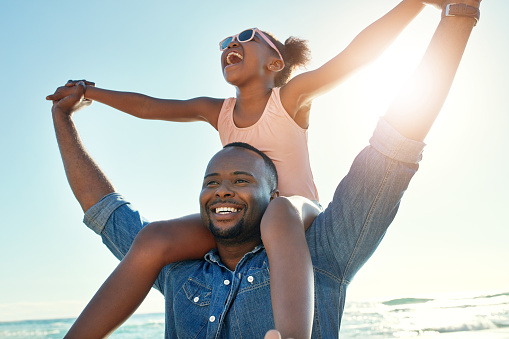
234 196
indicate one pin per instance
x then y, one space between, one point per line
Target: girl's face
246 61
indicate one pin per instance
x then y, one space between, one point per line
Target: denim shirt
204 299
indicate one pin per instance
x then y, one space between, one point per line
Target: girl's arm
145 107
365 48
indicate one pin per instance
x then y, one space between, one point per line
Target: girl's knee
280 218
280 208
154 241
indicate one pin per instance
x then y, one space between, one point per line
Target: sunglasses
246 36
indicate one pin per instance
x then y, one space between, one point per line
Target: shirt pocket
192 305
255 278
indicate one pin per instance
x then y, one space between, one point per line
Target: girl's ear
274 194
276 65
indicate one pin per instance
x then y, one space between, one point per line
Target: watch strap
454 9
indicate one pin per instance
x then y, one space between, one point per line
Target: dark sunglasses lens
225 43
246 35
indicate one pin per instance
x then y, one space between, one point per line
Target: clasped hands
71 97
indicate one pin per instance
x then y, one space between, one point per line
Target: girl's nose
233 43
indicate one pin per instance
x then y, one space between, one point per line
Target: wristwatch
462 10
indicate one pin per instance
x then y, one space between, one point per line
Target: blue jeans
204 299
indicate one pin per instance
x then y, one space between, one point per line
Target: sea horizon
461 315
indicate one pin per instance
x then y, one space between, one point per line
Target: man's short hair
268 162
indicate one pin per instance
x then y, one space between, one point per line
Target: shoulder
295 105
208 108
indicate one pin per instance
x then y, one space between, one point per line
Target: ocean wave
477 325
506 294
406 301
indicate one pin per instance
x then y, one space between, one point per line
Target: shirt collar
213 256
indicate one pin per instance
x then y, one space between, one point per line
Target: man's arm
88 183
367 199
416 107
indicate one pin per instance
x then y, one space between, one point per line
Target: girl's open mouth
233 58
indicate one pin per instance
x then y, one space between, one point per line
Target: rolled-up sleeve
116 221
388 141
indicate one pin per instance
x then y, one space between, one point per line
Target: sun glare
389 74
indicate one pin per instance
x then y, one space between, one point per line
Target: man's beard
232 235
240 233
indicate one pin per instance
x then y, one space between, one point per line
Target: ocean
474 316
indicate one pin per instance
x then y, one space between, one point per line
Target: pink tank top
277 135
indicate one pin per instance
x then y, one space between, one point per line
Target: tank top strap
225 119
276 98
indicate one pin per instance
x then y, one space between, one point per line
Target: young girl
270 112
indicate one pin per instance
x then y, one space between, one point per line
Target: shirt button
250 279
227 282
212 319
196 299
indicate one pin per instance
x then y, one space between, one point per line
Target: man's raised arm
88 183
416 107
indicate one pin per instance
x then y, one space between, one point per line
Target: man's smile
225 210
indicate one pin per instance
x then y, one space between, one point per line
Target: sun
388 75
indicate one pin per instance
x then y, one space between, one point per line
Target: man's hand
74 101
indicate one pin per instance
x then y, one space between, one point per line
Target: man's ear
276 65
274 194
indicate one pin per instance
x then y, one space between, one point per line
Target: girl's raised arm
365 48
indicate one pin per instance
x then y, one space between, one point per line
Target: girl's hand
62 92
72 102
435 3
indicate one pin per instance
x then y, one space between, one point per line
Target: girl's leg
157 245
291 271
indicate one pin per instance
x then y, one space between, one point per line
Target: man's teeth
225 210
230 58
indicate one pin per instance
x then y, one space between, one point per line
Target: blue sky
451 232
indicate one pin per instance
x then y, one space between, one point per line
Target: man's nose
224 190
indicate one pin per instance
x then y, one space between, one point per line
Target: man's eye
211 183
241 181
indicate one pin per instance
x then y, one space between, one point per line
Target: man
227 295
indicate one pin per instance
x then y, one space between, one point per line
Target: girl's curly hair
295 52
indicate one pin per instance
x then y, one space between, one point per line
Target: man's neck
231 254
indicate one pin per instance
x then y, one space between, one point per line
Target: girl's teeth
231 58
